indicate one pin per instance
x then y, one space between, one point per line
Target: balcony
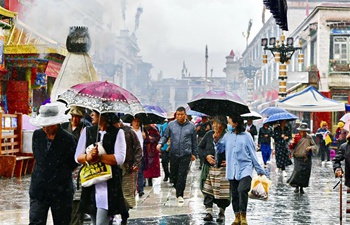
339 67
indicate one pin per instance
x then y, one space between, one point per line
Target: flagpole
206 67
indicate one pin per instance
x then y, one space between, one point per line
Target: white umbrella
252 115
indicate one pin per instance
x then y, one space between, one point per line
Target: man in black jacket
51 182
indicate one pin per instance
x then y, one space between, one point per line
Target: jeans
324 151
178 169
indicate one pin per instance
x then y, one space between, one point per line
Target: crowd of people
225 146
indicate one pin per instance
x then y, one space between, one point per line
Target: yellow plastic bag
260 188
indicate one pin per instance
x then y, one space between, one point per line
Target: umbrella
272 110
218 103
157 108
281 116
150 116
345 118
191 112
103 97
252 115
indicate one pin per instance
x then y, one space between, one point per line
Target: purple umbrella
218 102
156 108
103 97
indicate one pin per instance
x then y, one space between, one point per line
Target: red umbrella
103 97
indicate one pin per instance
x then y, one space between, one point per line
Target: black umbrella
218 103
150 116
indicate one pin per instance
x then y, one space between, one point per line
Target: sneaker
323 163
208 217
180 199
284 173
329 162
141 194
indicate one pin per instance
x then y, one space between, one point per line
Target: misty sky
169 32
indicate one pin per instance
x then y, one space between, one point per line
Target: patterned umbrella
103 97
218 103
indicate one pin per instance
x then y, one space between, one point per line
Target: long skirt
129 186
301 173
282 157
216 183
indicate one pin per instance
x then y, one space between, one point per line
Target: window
341 52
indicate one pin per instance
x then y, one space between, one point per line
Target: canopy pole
312 121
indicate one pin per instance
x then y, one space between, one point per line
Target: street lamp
250 71
282 52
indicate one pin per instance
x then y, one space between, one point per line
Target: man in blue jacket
183 148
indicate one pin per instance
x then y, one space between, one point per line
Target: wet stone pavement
319 204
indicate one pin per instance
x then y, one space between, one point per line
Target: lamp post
250 71
282 52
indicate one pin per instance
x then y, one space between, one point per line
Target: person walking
183 149
241 159
214 186
323 135
151 155
251 128
129 167
51 185
303 147
343 154
166 148
202 128
75 126
340 134
105 199
282 135
264 142
136 127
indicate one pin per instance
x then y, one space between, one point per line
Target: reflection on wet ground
319 204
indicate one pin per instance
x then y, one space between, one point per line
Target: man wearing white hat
51 182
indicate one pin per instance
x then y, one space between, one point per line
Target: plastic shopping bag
91 174
260 188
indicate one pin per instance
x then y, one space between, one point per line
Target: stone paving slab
319 204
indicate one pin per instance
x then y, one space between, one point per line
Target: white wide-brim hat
50 114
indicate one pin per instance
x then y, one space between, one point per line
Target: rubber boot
237 220
244 219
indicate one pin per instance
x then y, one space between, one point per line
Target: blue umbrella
281 116
269 111
191 112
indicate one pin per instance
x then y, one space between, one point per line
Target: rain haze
169 32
